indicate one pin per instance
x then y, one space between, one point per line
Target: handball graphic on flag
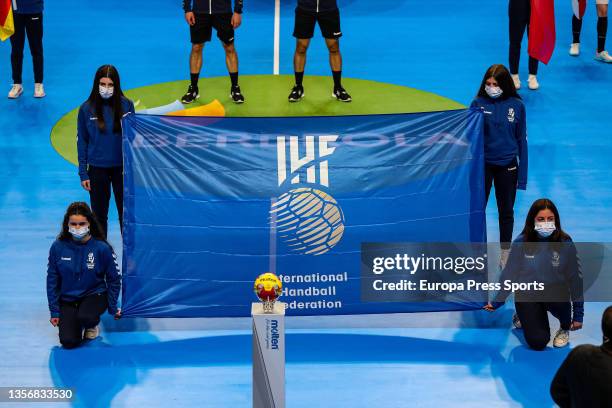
268 287
308 219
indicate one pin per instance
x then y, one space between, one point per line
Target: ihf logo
309 220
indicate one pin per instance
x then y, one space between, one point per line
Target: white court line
272 264
276 70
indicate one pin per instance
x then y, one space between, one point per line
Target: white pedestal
268 356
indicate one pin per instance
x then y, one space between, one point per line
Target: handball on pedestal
268 288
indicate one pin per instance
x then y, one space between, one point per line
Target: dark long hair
96 102
504 80
81 208
529 231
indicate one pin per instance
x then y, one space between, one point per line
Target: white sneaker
603 56
516 322
39 91
16 91
574 49
92 333
517 81
561 338
532 82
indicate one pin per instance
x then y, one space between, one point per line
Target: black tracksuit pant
534 320
32 26
519 12
79 315
505 179
101 180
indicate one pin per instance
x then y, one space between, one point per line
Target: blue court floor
469 359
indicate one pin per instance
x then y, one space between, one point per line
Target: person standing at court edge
519 14
28 21
99 143
326 14
602 29
505 146
202 16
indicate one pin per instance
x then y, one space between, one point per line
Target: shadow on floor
110 368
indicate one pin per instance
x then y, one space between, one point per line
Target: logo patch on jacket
511 115
555 259
90 261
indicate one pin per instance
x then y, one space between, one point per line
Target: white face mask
106 92
493 91
79 233
545 228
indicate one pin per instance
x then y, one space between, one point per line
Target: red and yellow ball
268 287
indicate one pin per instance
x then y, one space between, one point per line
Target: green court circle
266 96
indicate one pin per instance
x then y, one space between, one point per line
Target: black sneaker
191 95
236 96
341 95
297 93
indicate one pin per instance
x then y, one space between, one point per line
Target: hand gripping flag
542 30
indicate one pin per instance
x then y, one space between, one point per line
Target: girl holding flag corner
544 253
83 277
505 146
99 143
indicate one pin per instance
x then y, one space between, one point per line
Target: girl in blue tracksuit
99 143
83 278
505 146
545 254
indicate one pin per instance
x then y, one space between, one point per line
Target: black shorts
305 21
201 31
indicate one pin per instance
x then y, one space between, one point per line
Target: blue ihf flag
211 203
